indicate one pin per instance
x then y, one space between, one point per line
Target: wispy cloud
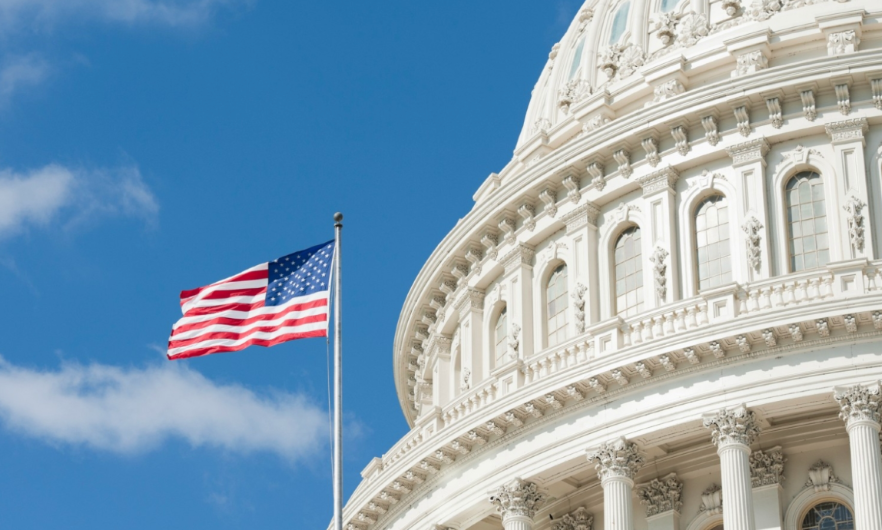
19 72
71 197
21 14
132 410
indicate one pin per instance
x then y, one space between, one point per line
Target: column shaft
737 495
866 471
517 522
617 505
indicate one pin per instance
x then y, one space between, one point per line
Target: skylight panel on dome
620 23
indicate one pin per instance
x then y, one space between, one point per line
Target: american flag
271 303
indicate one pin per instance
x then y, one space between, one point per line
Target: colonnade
733 430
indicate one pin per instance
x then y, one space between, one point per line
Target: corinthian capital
616 458
517 498
661 495
732 426
858 403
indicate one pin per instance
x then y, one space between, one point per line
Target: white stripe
294 315
222 285
259 335
265 310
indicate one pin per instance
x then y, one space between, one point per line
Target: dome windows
629 273
828 516
556 306
668 5
807 222
620 23
713 252
577 58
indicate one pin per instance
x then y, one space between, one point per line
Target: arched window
807 221
668 5
629 273
828 516
577 58
556 294
712 242
500 337
620 23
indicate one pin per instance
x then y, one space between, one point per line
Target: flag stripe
243 318
198 352
270 303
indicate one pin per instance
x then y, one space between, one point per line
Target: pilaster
661 498
517 502
767 474
749 164
518 264
852 193
617 462
860 408
660 197
732 431
471 327
581 226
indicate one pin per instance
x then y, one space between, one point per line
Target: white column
517 501
733 430
860 410
518 265
856 232
582 230
617 462
470 308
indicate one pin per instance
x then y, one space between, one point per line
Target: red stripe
219 295
238 335
245 321
209 310
243 277
254 342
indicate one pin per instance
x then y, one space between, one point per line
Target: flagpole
338 377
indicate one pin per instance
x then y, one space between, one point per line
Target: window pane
556 308
620 23
712 241
809 245
629 273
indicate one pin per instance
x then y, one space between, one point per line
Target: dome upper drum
672 292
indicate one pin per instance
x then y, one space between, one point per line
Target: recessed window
629 273
668 5
712 242
828 516
501 336
577 58
556 294
807 222
620 23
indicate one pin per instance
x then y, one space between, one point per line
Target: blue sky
150 146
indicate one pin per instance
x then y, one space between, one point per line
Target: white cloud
21 71
16 14
134 410
71 196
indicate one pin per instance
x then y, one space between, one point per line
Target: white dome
672 274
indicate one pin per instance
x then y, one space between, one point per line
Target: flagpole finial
338 217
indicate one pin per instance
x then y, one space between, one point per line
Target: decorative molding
732 426
681 140
749 63
711 131
623 159
847 130
821 477
843 42
514 342
580 519
660 180
658 272
843 98
855 218
507 225
752 229
650 146
876 87
520 255
578 296
859 403
528 212
775 113
712 500
808 104
616 458
666 91
750 151
595 171
573 92
767 467
661 495
571 183
549 197
490 240
581 216
742 119
517 498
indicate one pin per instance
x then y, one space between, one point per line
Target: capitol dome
665 312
